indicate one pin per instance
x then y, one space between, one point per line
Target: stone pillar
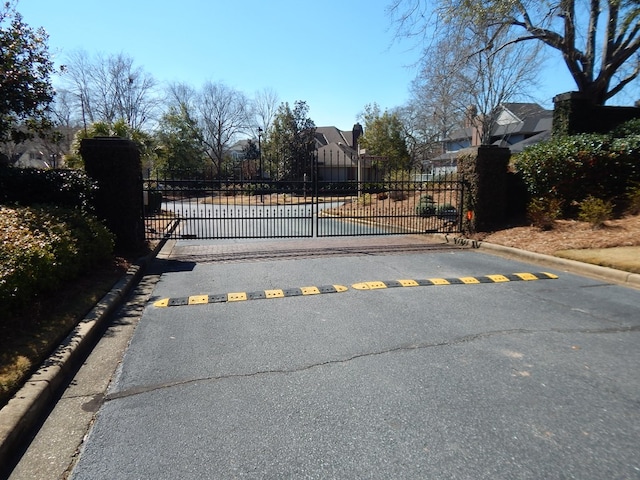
483 171
114 164
573 113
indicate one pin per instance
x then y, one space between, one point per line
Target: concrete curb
24 410
613 275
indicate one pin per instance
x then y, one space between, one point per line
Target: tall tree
291 143
223 114
491 77
438 100
220 116
25 70
602 57
384 136
179 141
265 107
110 88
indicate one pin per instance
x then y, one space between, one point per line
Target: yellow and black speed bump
375 285
243 296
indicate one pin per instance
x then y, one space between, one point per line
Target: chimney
357 133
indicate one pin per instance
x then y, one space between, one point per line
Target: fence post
114 163
483 171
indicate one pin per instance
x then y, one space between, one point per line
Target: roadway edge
612 275
25 409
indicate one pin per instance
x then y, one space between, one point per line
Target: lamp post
260 160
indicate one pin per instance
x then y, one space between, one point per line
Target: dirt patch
569 235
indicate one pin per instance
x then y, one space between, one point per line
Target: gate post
114 163
483 171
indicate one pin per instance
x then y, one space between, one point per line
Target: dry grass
623 258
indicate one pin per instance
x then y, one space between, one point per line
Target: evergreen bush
30 186
570 168
41 247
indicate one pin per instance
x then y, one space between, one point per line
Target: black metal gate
342 196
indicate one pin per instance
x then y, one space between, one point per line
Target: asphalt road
516 379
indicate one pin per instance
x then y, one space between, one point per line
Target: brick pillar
483 171
114 163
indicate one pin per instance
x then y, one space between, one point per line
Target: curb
24 410
613 275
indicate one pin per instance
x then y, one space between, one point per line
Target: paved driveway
472 377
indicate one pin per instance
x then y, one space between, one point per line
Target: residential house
517 125
339 157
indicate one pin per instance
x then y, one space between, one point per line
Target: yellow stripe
498 278
198 299
236 297
340 288
162 303
408 283
310 290
550 275
469 280
376 285
526 276
439 281
274 293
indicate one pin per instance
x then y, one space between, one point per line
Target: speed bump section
198 299
373 285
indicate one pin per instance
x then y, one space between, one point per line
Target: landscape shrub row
43 246
570 169
30 186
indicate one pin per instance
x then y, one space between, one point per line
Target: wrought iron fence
336 195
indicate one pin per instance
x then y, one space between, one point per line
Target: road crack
134 391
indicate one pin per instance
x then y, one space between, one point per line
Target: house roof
327 135
523 110
540 137
530 126
523 119
336 154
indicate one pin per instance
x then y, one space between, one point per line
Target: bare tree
439 97
463 80
493 77
111 88
265 108
602 57
223 113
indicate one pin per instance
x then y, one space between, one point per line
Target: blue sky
337 55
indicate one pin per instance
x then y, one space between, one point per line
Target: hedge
571 168
30 186
41 247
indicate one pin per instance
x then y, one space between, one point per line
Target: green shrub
400 184
633 200
630 127
447 212
41 247
595 211
567 168
30 186
364 199
426 206
543 212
